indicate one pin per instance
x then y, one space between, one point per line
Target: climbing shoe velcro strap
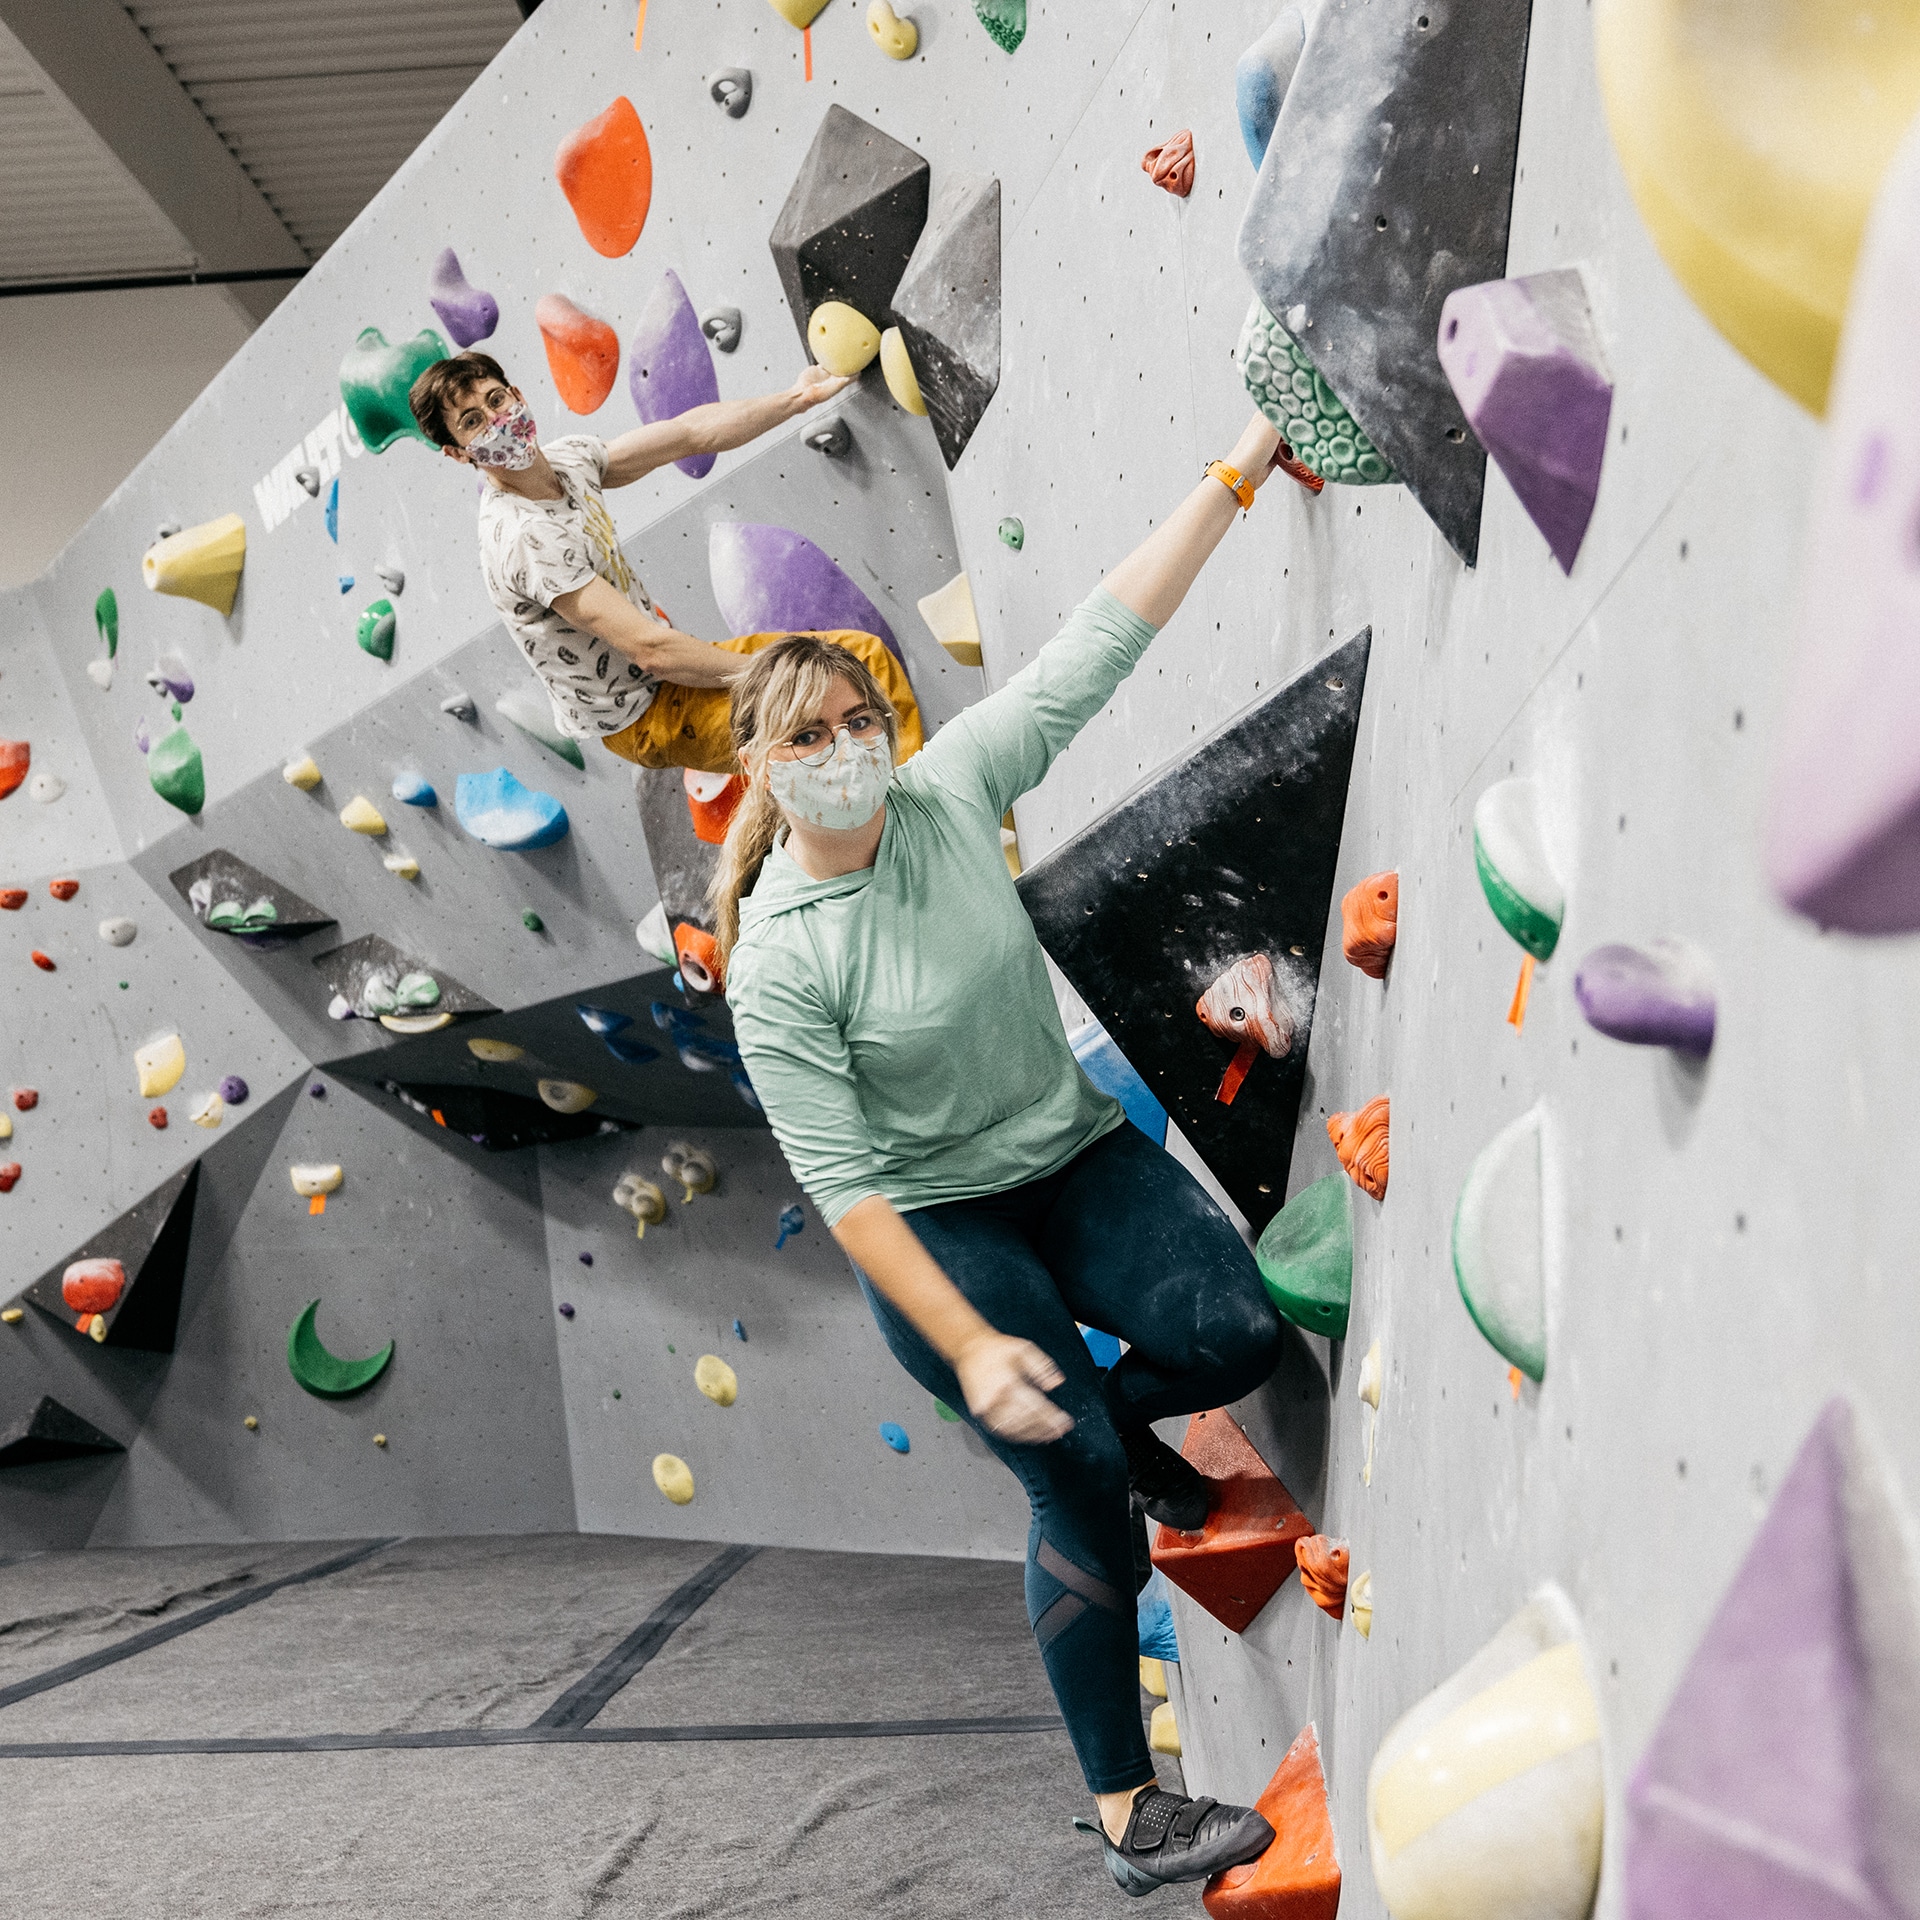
1187 1822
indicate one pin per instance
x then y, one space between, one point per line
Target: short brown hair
444 384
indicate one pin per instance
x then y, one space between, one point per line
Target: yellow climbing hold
797 13
1163 1736
1360 1604
97 1330
842 338
160 1063
899 40
379 1439
897 369
203 563
567 1096
301 773
948 612
360 815
311 1180
673 1477
416 1022
1153 1676
638 1195
6 1126
498 1051
207 1111
1753 142
716 1380
252 1423
403 864
1369 1387
12 1316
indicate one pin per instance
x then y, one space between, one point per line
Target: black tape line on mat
172 1629
582 1701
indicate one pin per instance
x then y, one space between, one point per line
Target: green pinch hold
1499 1244
1518 879
229 916
1291 392
325 1373
944 1411
374 380
532 921
377 627
1013 533
411 993
176 773
106 619
1306 1257
1004 20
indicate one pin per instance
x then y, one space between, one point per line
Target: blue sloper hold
1261 78
499 812
414 790
792 1221
895 1437
739 1332
1155 1615
635 1053
333 516
1103 1346
1112 1072
602 1020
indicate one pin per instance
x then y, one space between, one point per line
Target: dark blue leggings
1125 1239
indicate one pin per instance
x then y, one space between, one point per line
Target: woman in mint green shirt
895 1015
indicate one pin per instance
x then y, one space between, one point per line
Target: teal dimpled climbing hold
895 1437
1287 387
374 379
175 771
1306 1257
376 630
1004 20
1515 874
1499 1257
1012 533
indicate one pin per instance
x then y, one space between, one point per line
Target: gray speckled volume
948 301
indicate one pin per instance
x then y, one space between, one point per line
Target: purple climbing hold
465 311
566 1309
317 1089
233 1090
586 1259
141 737
669 367
1659 995
773 580
1525 364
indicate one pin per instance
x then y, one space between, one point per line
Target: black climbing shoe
1169 1839
1164 1486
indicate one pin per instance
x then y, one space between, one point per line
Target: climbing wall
1648 1214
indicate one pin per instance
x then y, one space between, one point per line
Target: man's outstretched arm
715 429
652 645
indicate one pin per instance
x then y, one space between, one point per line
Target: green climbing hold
1515 873
1013 533
374 378
106 620
1004 20
326 1373
230 916
1306 1257
532 921
1288 388
529 709
944 1411
1499 1245
175 771
376 630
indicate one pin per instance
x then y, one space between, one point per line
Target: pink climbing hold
1171 165
1525 364
670 366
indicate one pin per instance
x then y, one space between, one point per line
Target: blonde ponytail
772 700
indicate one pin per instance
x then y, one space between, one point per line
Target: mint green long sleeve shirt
898 1023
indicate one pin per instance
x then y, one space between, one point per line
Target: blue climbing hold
412 790
792 1221
739 1332
635 1053
895 1437
333 515
602 1020
1261 79
1154 1614
346 583
1112 1072
1103 1346
499 812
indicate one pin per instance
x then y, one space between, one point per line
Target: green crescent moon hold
326 1373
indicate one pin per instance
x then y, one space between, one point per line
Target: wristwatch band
1235 483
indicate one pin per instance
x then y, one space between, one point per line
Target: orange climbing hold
9 1173
1369 920
25 1099
1323 1572
157 1119
606 171
1360 1139
16 756
12 899
712 801
583 354
1298 1877
63 889
44 961
1295 468
698 955
93 1286
1522 988
1171 165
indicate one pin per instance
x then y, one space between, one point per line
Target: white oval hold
311 1180
118 933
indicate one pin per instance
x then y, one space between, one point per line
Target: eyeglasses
862 729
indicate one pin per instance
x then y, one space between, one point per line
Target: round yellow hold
402 864
97 1329
673 1477
1163 1736
379 1439
498 1051
567 1096
842 338
301 773
159 1064
898 39
716 1380
311 1180
207 1111
897 369
360 815
416 1022
1360 1604
252 1423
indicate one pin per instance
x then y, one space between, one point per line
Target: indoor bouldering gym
698 1053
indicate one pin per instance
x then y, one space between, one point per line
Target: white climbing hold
207 1110
312 1180
391 578
118 932
160 1063
1369 1387
1499 1257
460 705
655 935
301 773
1360 1604
100 672
531 710
567 1096
673 1477
46 788
360 815
403 864
498 1051
716 1380
950 615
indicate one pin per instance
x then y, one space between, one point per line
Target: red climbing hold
9 1173
25 1099
1171 165
157 1119
605 169
63 889
93 1286
583 354
1298 1877
16 756
44 961
12 899
1237 1563
1295 468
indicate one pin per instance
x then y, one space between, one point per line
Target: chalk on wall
468 313
669 368
374 379
529 709
605 168
201 563
948 303
1499 1244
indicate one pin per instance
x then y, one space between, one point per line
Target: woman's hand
1006 1382
1256 451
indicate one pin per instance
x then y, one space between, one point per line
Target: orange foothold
317 1204
1513 1381
43 961
1369 921
157 1119
12 899
806 42
1237 1070
1360 1139
63 889
1517 1012
9 1173
605 169
698 954
583 354
1298 1877
1295 468
1171 165
1323 1572
640 26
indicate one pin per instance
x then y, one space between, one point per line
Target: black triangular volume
1363 221
348 969
226 893
1230 854
949 307
52 1432
150 1241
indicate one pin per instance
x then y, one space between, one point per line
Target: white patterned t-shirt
532 552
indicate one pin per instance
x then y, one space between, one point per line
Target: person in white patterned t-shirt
554 570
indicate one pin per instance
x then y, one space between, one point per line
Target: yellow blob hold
673 1477
1369 1387
403 864
1162 1735
640 1197
716 1380
416 1022
497 1051
899 40
897 369
797 13
207 1111
252 1424
842 338
301 773
203 563
97 1330
12 1316
379 1439
160 1063
1153 1676
567 1096
949 614
1360 1604
6 1126
1753 142
311 1180
360 815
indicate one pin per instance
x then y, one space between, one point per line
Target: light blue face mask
840 789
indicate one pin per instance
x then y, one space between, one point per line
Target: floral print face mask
508 440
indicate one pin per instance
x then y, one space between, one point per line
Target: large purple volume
1660 995
773 580
1781 1781
467 313
670 367
1524 362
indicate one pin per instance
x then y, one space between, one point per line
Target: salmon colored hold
1298 1877
63 889
93 1286
1369 916
1171 165
16 756
583 354
1295 468
25 1099
1323 1572
1245 1004
606 171
12 899
9 1173
157 1119
43 961
1360 1139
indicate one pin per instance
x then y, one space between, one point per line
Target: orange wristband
1235 483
